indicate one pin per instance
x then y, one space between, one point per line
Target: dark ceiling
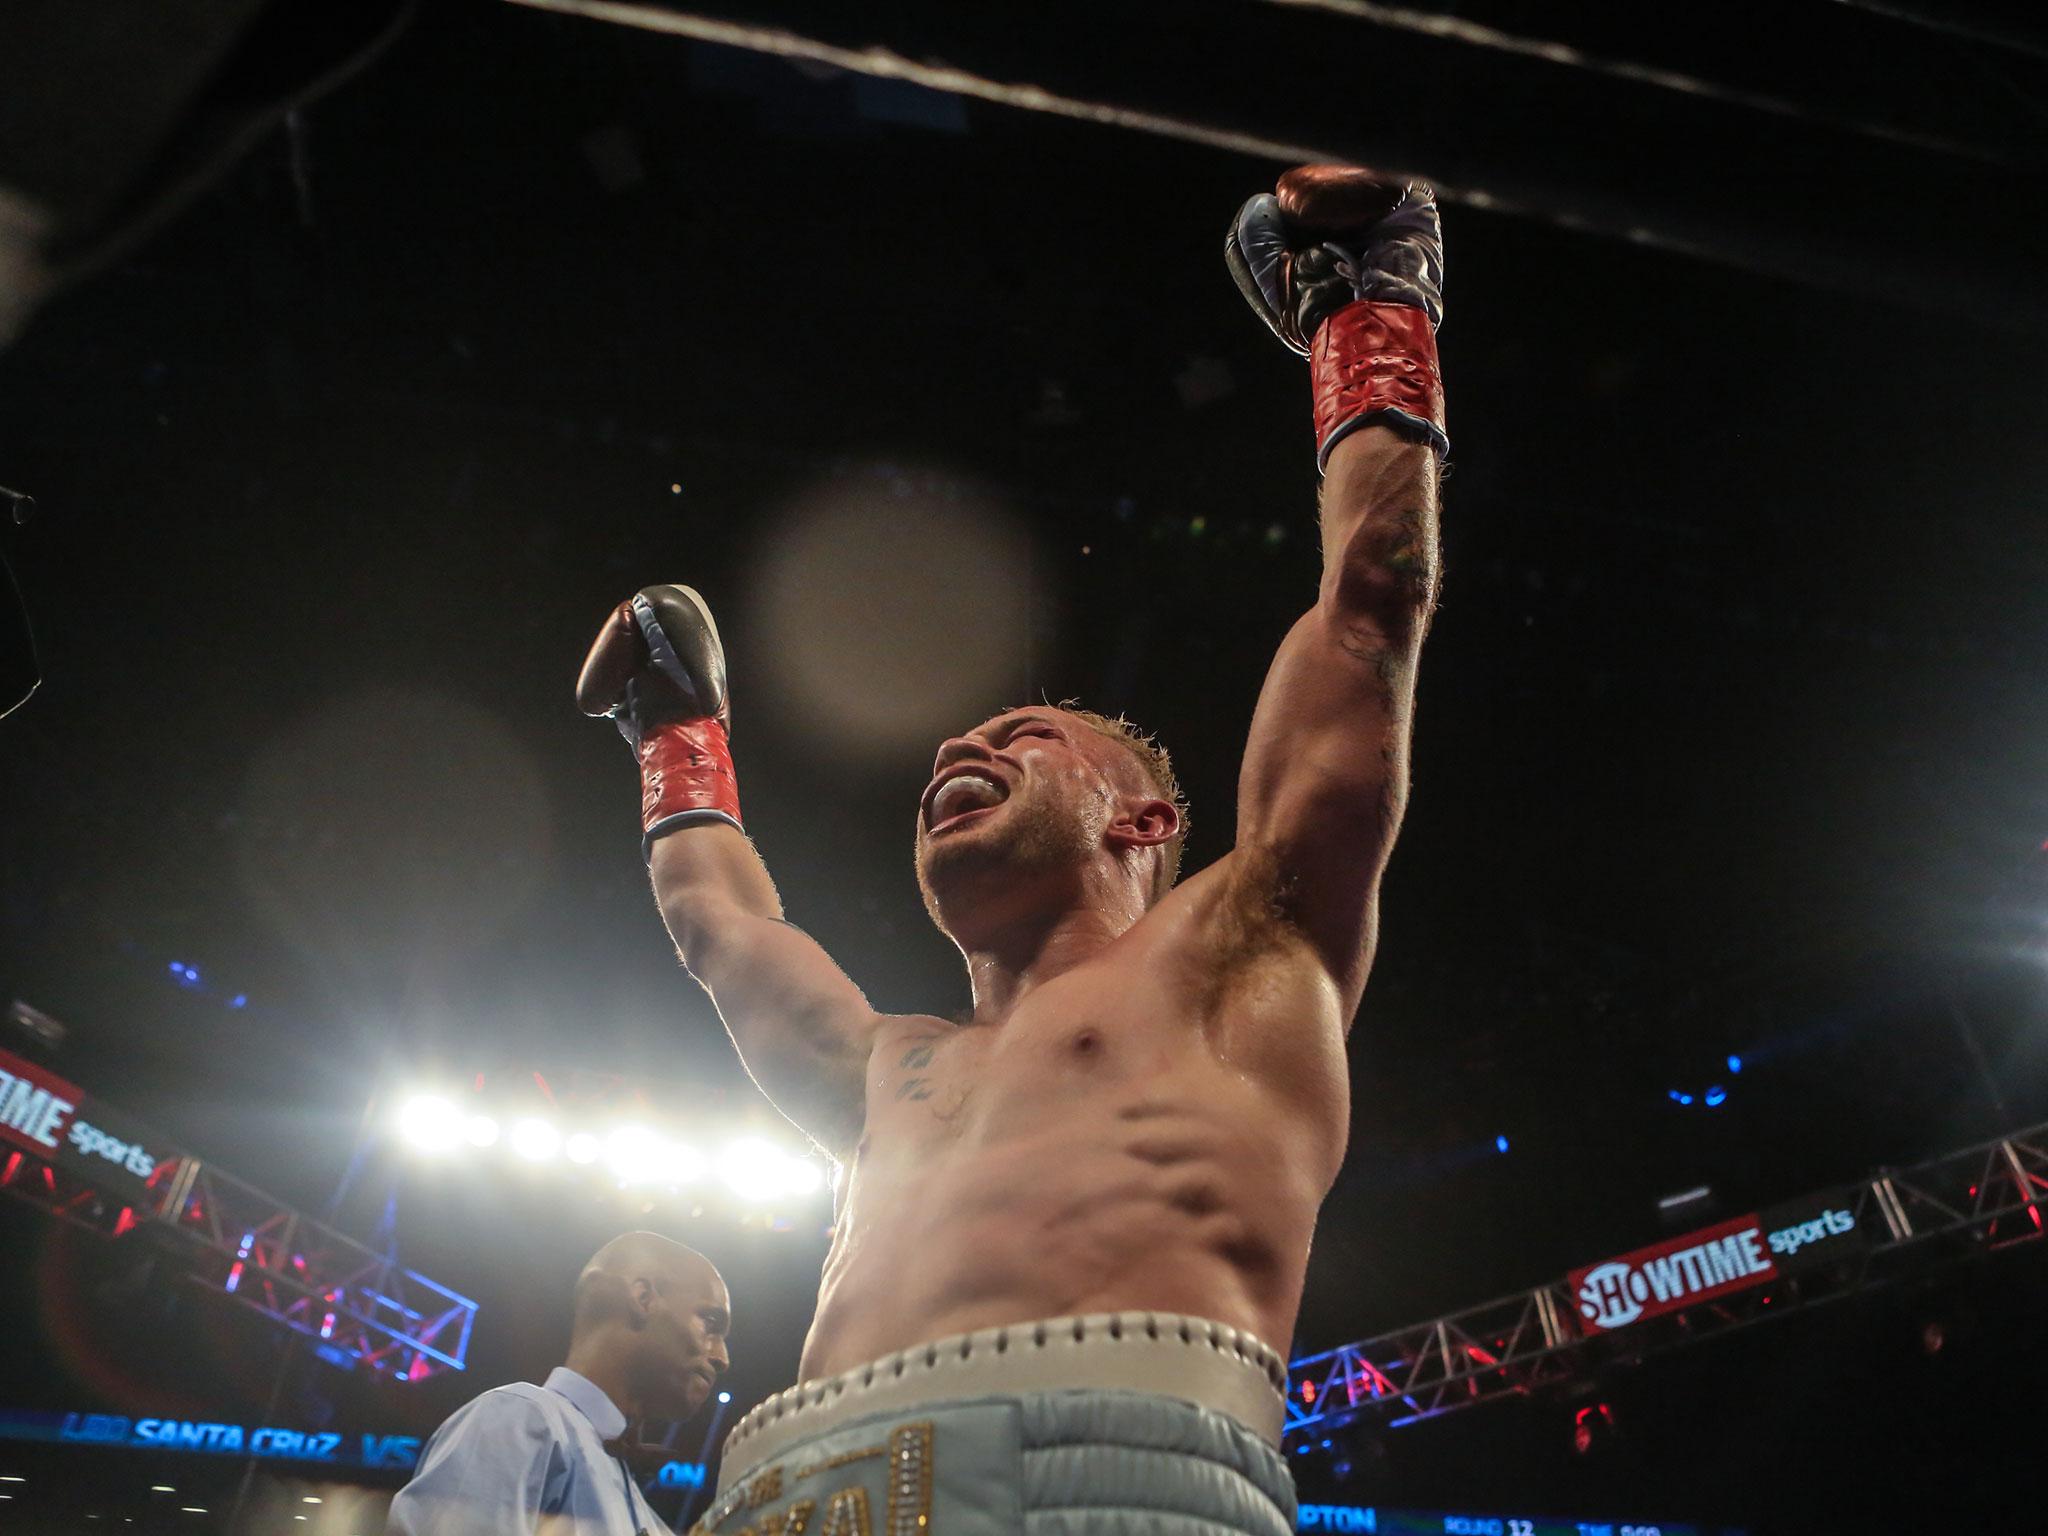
1733 731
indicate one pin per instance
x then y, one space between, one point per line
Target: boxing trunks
1117 1424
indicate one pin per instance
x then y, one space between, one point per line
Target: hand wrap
1376 363
686 777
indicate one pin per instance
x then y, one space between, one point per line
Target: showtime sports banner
42 1114
1715 1261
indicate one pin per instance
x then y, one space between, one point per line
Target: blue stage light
177 967
1678 1096
238 1001
1716 1095
1734 1063
1500 1143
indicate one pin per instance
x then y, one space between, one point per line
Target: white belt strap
1211 1364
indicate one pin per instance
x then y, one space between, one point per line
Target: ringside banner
35 1105
1372 1520
265 1442
1714 1261
1675 1273
1820 1229
42 1114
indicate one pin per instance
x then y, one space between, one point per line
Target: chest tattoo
915 1059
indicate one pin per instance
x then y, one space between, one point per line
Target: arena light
752 1169
480 1131
684 1164
582 1148
759 1172
634 1154
430 1122
535 1140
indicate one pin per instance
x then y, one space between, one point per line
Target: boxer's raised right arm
802 1029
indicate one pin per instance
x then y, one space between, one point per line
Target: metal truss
60 1193
364 1307
1957 1206
1514 1344
309 1277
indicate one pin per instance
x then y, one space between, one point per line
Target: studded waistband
1190 1358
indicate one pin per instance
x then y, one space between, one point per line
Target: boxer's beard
1038 835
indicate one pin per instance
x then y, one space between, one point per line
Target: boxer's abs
1007 1184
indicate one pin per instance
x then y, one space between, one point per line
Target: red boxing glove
1348 270
686 776
1375 362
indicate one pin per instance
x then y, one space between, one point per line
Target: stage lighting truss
1949 1209
364 1308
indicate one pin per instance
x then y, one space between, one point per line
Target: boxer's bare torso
1153 1130
1150 1098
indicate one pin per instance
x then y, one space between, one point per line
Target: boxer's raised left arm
1325 775
1347 270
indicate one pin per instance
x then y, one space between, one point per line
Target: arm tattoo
1388 661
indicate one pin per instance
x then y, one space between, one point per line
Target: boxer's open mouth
963 795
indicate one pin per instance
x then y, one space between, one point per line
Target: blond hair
1158 766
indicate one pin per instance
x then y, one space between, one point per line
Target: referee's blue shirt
525 1458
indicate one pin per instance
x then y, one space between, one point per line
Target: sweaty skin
1119 1141
1150 1099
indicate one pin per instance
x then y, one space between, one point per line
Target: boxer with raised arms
1074 1226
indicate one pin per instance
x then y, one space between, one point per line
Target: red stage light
1591 1425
